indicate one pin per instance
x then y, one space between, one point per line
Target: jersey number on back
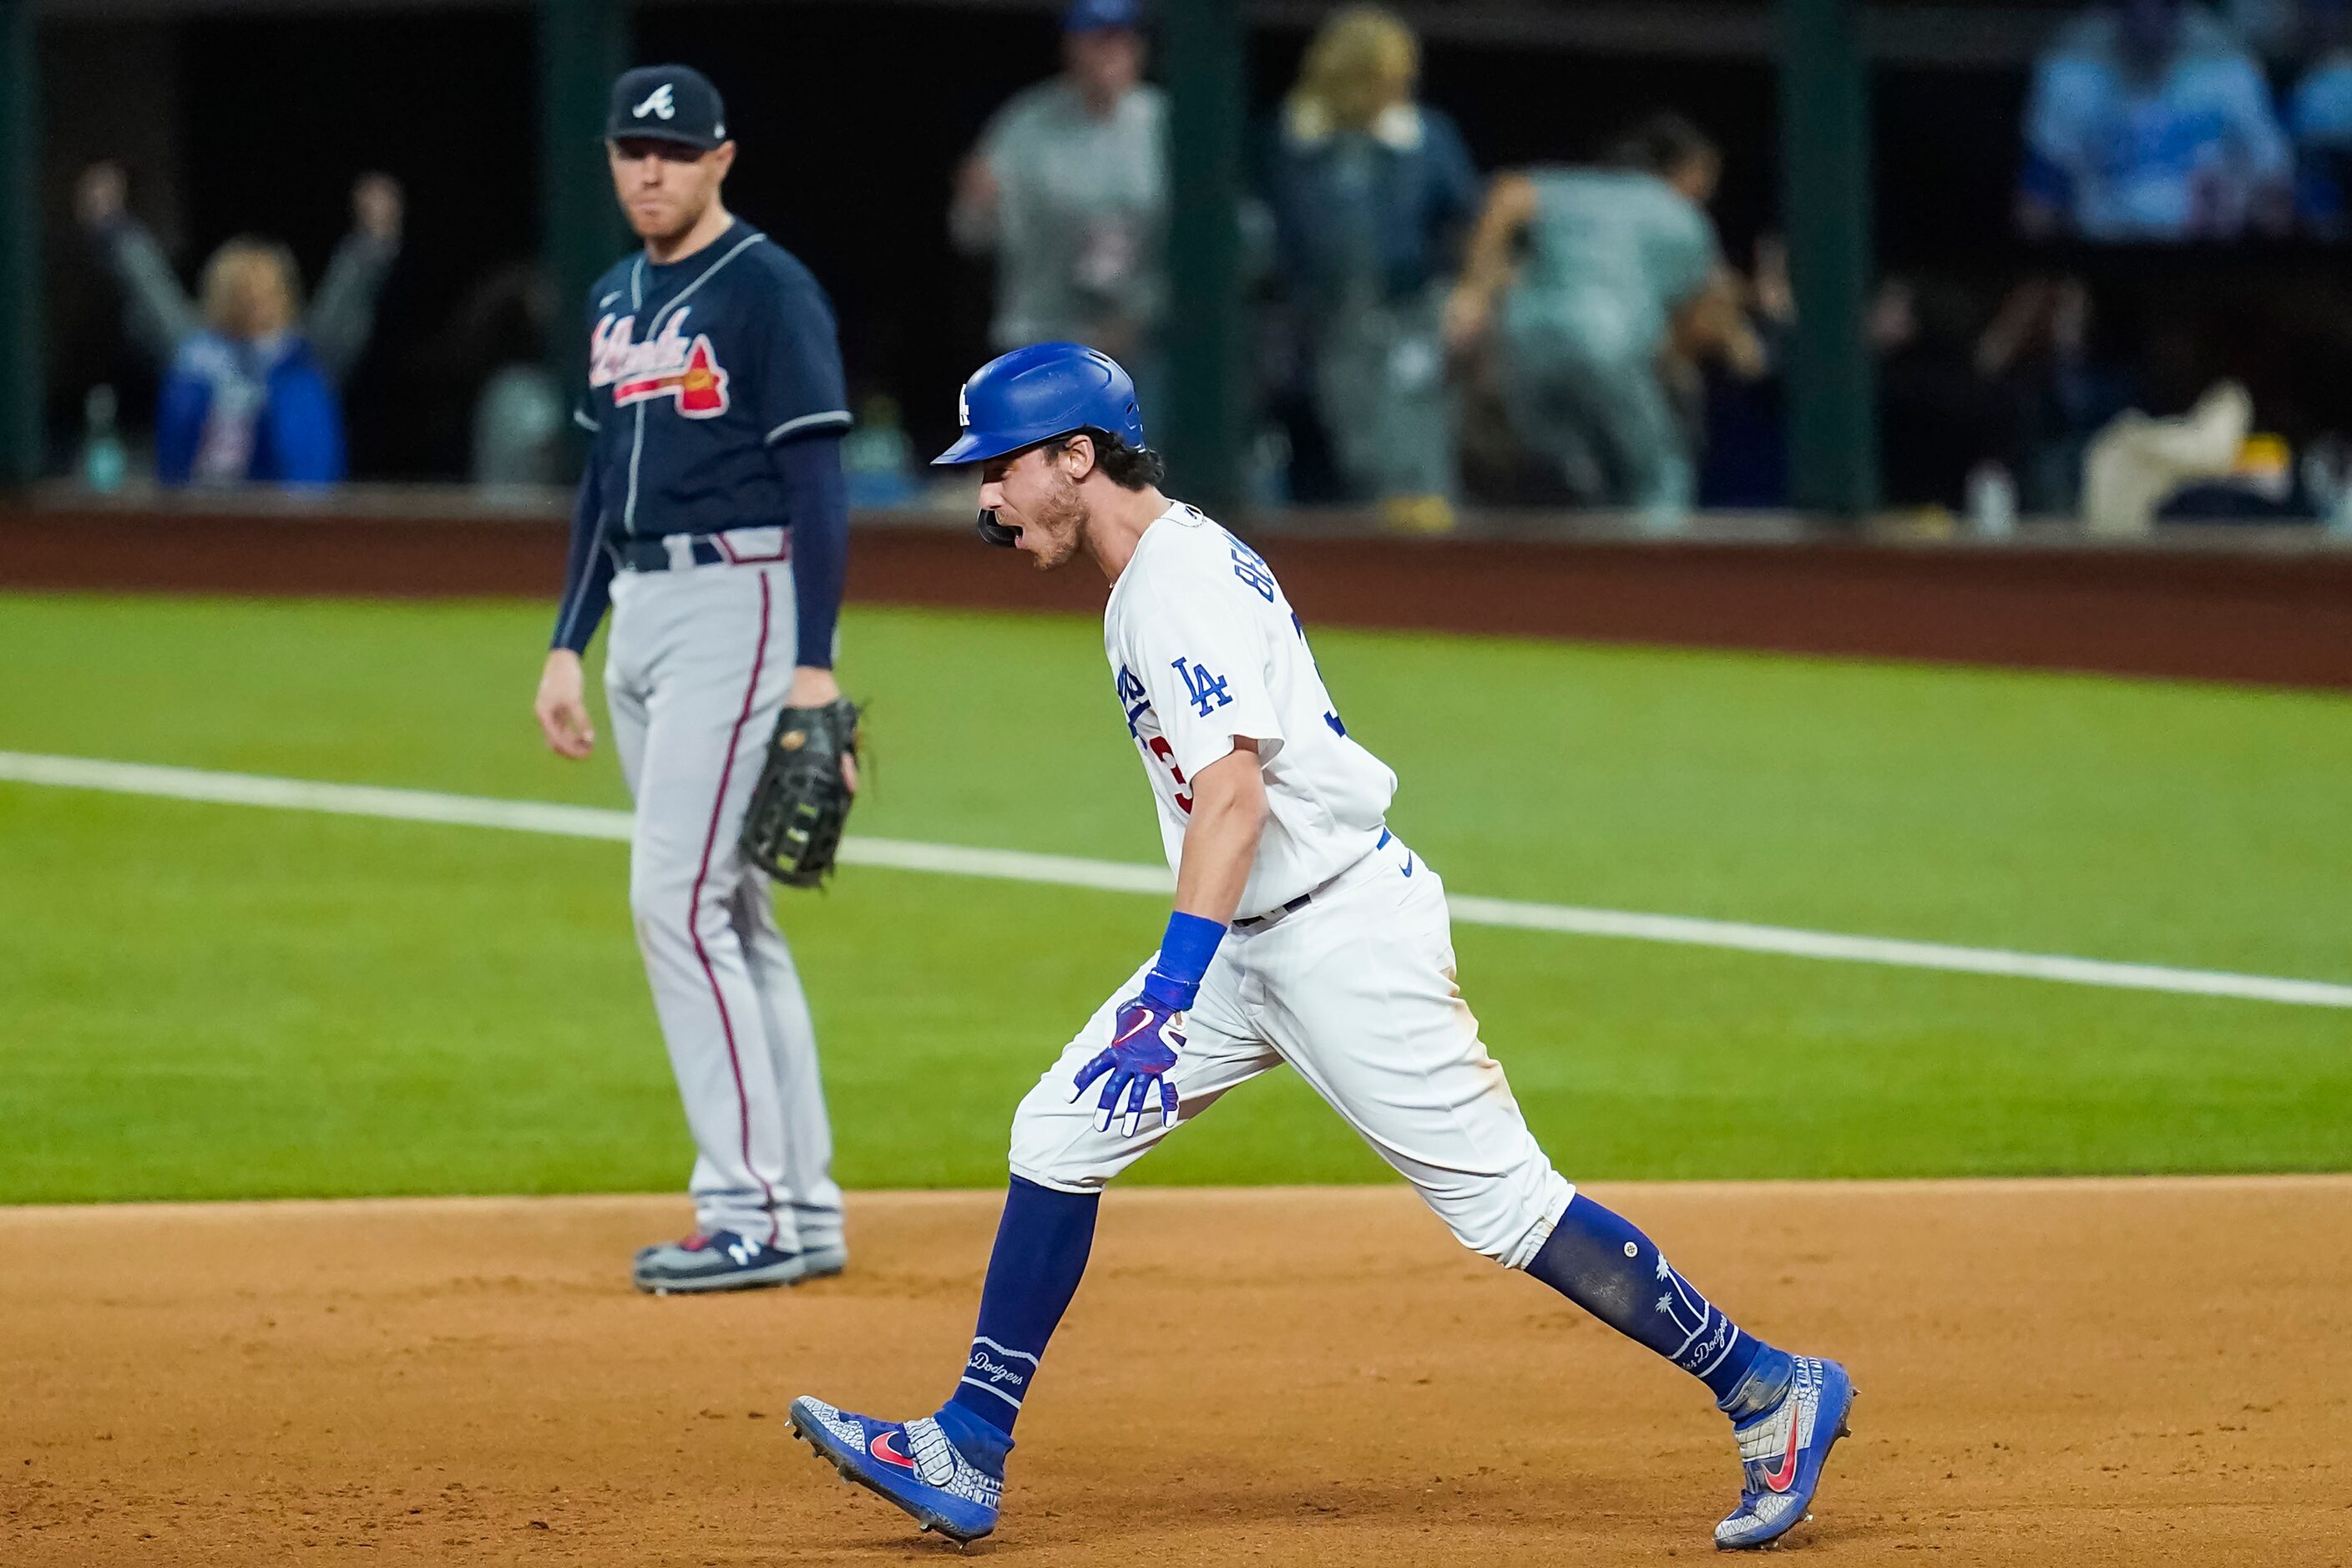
1252 569
1329 716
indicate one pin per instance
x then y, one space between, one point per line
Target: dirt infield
2078 1372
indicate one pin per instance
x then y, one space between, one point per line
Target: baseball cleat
952 1485
724 1260
1781 1453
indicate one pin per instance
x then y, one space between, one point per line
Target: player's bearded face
1035 494
1052 528
664 187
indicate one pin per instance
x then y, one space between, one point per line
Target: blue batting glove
1144 1041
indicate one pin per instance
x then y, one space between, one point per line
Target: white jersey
1204 650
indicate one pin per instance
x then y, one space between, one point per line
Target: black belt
1303 900
1292 908
652 554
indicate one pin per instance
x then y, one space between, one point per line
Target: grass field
203 1001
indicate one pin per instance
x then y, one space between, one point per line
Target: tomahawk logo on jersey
666 365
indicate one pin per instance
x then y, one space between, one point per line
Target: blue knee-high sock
1601 1262
1042 1245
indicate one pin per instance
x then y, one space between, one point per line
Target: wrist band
1185 950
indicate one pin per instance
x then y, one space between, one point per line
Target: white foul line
1115 877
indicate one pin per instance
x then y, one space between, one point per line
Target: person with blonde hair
249 378
1371 193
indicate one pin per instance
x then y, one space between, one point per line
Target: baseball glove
793 826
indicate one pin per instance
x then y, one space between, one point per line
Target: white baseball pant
1356 991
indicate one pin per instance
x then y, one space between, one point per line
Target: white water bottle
1992 501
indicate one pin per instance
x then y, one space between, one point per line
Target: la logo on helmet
963 408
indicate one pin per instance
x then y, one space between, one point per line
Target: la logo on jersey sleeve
666 365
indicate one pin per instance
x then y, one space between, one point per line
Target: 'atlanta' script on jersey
666 365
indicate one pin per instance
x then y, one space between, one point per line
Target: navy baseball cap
667 103
1102 15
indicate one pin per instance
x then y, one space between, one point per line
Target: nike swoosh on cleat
1780 1480
880 1448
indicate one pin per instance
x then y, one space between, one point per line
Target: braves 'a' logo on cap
658 104
667 365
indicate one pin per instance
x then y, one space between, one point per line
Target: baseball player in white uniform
1306 932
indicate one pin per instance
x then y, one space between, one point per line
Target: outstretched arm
1713 325
1488 265
342 316
156 310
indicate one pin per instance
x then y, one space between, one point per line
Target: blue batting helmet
1036 394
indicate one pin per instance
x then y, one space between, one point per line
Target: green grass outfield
213 1001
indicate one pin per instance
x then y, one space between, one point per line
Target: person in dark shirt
1372 193
713 521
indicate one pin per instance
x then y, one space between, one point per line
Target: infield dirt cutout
2063 1373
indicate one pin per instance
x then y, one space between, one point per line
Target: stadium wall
2279 615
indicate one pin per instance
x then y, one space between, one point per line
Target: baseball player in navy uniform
1306 933
713 521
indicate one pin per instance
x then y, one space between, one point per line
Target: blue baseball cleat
1781 1453
723 1260
947 1470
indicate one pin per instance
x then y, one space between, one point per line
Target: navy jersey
713 382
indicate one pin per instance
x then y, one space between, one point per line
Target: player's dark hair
1128 468
1659 144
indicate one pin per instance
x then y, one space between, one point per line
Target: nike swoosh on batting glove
1144 1041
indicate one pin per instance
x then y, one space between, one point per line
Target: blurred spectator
2319 114
250 380
488 366
1069 188
1744 461
878 458
2273 29
2041 353
1622 264
1938 416
2149 121
1371 193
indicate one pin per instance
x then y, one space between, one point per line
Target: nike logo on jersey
659 104
668 365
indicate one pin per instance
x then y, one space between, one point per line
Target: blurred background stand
1824 93
582 45
21 376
